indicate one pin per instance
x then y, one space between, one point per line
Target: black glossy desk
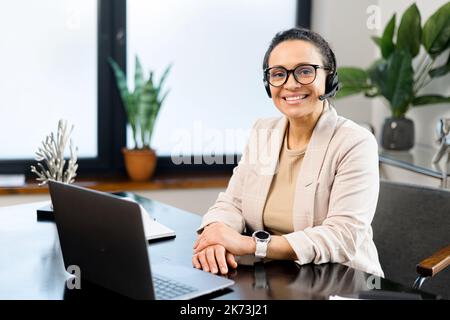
31 265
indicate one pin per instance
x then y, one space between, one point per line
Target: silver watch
262 239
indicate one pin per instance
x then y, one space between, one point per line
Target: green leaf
436 31
440 71
121 80
387 44
138 78
409 33
128 99
397 85
152 119
163 78
146 108
430 99
377 73
146 99
164 97
352 81
377 40
132 116
150 78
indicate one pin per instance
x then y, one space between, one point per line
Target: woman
307 184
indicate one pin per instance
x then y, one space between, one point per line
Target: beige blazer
336 192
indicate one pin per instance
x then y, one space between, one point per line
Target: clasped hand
216 247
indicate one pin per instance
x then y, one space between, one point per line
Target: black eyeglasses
303 74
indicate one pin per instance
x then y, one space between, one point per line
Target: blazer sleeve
352 204
228 206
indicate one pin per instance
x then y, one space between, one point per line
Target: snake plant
394 76
143 104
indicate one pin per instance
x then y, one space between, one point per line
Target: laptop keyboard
166 289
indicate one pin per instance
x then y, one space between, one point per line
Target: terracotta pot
140 164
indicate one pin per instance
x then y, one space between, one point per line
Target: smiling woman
297 97
307 184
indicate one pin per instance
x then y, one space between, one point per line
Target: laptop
104 236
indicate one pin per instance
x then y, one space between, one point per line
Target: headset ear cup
267 86
332 84
335 86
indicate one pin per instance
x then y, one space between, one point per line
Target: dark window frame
111 123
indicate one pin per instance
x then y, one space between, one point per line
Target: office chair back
410 224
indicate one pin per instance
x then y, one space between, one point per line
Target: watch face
262 235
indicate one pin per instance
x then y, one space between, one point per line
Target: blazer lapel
303 207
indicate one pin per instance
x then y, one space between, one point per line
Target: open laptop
103 235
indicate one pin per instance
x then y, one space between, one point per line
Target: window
53 66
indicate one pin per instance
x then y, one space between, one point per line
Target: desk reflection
288 280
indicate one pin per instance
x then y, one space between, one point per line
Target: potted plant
142 106
397 77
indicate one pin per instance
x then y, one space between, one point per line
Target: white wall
343 24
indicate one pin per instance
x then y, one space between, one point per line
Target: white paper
337 297
12 180
153 229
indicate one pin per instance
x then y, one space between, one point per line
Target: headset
331 83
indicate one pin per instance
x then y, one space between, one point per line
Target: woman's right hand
214 259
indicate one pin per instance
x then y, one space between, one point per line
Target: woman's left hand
220 233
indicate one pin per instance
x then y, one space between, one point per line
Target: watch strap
261 248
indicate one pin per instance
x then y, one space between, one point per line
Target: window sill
120 183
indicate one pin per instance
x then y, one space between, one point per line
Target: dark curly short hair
328 57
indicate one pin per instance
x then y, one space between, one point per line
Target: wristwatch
262 239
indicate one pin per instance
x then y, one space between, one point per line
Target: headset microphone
324 96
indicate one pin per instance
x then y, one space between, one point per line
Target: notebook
153 229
